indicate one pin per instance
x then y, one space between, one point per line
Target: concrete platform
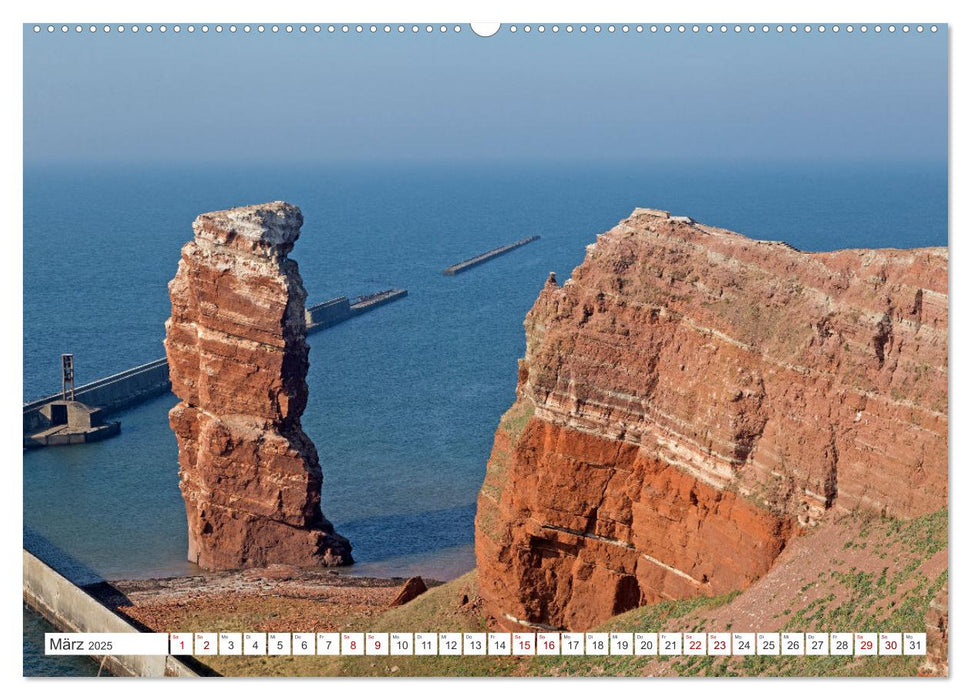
69 423
66 435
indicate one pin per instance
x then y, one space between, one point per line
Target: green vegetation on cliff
881 577
859 573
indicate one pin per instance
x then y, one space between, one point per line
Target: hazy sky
320 97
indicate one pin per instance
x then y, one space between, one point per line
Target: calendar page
518 349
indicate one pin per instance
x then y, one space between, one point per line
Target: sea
404 400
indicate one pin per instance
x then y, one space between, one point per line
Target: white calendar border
509 10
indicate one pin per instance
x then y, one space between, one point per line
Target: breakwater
333 311
133 386
110 394
485 257
70 608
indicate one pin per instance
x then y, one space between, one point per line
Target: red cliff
238 361
691 399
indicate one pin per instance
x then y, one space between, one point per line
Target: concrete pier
369 302
71 423
110 394
71 609
485 257
138 384
333 311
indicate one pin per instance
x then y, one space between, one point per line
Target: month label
106 643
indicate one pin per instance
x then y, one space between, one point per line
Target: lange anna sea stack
238 361
692 399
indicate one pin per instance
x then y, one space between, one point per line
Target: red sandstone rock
238 361
413 588
692 398
936 664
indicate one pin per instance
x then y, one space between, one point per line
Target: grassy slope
881 576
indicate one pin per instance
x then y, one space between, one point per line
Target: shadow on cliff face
392 536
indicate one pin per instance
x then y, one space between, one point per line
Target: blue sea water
404 400
37 663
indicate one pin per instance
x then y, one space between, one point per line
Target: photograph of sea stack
672 360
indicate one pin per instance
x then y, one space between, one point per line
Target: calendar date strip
488 644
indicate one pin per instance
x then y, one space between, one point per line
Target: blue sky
333 98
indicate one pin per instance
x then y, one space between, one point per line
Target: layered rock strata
690 399
238 361
936 661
